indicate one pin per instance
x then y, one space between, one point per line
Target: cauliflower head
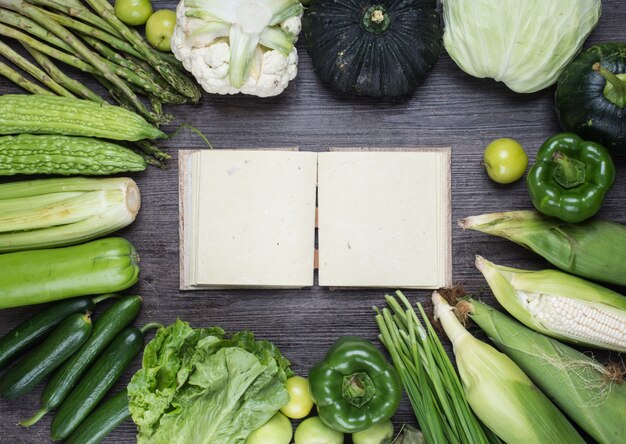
239 46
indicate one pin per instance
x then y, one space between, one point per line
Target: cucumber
102 421
98 380
46 357
32 330
33 277
65 155
119 315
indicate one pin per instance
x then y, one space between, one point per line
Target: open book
253 218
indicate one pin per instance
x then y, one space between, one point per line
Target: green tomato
379 433
159 29
314 431
505 160
133 12
300 401
277 430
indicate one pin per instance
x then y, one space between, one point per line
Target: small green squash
373 47
591 95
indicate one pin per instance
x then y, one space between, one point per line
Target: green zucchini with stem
105 329
34 329
39 114
45 358
95 384
102 421
65 155
33 277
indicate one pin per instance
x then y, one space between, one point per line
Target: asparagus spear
73 85
172 75
86 29
33 70
76 9
20 80
34 13
18 21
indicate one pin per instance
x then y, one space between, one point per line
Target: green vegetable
591 95
115 318
313 431
354 386
197 385
159 29
500 393
34 329
33 277
525 44
277 430
505 160
102 421
373 48
65 155
430 381
58 212
584 389
98 380
300 401
379 433
560 305
37 114
64 340
570 177
593 249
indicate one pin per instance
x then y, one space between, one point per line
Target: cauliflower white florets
205 51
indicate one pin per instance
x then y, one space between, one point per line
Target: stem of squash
615 89
375 19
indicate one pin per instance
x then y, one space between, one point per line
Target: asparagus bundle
89 37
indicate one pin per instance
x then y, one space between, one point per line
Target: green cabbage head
523 43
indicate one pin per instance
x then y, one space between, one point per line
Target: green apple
133 12
159 29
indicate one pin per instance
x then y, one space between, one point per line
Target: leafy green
199 386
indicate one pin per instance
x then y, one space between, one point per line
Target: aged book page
251 218
384 218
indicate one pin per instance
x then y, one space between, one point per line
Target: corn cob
590 394
560 305
499 392
592 249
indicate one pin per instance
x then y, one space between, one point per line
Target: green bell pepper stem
615 89
570 178
354 386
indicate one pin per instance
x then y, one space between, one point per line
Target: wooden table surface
450 109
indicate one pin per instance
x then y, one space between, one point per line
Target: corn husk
594 249
591 394
499 392
560 305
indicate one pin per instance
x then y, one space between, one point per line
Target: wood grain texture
450 109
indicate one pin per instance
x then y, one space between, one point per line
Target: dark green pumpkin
373 47
589 105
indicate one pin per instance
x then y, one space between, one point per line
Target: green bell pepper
570 178
354 386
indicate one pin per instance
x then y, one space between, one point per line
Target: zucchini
39 114
32 330
33 277
95 384
65 155
102 421
120 314
47 356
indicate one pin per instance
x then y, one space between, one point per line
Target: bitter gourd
41 114
65 155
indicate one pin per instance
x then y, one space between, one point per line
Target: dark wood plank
450 109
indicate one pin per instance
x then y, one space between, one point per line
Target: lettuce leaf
198 386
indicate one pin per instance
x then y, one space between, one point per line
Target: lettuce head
523 43
199 386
